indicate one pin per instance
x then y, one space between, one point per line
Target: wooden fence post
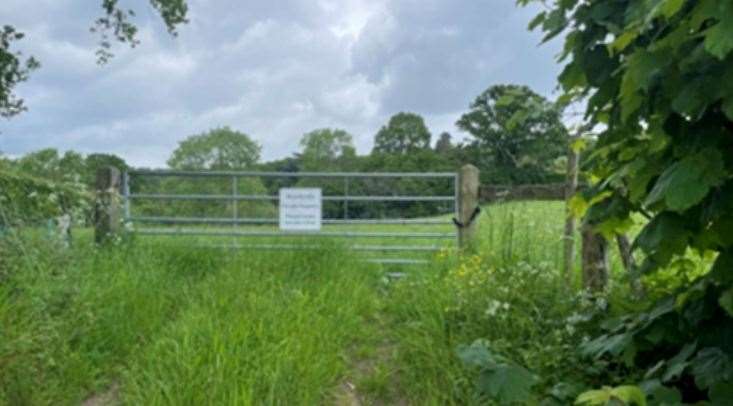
595 259
569 235
468 203
107 223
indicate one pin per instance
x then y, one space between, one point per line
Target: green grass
162 322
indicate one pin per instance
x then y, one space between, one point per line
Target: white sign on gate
300 209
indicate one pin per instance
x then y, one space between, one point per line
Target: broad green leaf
664 237
721 393
578 144
539 19
641 68
623 41
695 96
572 77
726 301
728 107
678 363
721 270
660 394
606 344
553 24
710 366
507 384
630 394
594 397
687 182
719 38
669 8
476 354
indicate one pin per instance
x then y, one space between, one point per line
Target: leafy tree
444 145
43 163
519 133
72 166
324 147
217 149
13 70
114 22
657 75
405 133
93 162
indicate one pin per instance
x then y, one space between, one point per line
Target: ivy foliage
657 76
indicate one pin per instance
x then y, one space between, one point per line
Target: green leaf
554 24
728 108
477 354
719 38
594 397
669 8
507 383
678 363
641 68
628 394
539 19
623 41
688 181
721 393
726 301
606 344
695 96
663 237
710 366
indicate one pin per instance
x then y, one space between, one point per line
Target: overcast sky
274 69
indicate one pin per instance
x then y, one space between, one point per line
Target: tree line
515 136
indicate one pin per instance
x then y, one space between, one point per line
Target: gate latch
475 214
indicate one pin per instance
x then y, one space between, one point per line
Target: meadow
158 321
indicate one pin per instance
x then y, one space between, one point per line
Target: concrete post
468 201
107 221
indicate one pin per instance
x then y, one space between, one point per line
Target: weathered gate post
595 259
468 204
107 222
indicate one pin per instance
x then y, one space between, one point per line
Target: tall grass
166 323
171 324
267 330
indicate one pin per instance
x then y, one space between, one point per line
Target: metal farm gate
366 208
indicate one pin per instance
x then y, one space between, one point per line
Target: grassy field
160 322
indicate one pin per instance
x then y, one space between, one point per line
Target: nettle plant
658 78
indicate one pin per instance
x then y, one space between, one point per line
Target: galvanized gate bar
372 248
235 220
294 174
155 196
205 220
357 234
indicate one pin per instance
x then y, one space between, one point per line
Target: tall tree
114 24
520 131
93 162
324 147
43 163
405 133
219 149
443 145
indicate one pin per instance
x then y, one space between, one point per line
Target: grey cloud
272 69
